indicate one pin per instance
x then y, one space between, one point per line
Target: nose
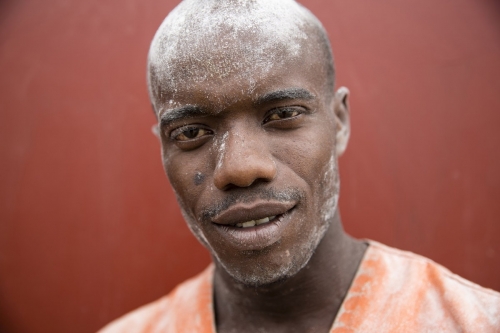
242 160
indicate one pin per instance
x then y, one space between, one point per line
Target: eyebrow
291 93
192 111
188 111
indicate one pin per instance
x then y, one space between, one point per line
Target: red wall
89 228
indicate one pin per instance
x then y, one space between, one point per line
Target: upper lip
242 212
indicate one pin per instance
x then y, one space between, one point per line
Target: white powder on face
204 40
331 185
221 150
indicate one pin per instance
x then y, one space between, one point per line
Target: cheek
187 181
186 177
329 190
306 158
311 157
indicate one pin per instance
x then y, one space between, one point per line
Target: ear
155 131
342 119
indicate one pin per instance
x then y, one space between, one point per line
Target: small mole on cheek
198 178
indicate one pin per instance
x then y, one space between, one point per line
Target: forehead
237 91
215 41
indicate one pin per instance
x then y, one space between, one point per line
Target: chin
262 275
274 266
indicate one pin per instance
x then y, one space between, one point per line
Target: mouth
256 225
253 223
247 215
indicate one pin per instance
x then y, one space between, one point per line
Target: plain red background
89 228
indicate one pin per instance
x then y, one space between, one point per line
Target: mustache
246 196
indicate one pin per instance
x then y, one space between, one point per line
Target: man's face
252 161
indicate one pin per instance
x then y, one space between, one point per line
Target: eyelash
299 110
180 130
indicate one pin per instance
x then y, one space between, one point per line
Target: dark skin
277 142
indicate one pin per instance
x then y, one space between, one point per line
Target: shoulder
189 303
397 290
139 319
404 267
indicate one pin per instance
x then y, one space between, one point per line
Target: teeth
264 220
248 224
253 223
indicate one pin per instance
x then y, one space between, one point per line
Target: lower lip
257 237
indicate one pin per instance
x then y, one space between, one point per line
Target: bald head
204 40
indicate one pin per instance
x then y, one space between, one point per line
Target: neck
310 299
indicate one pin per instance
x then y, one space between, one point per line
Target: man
251 129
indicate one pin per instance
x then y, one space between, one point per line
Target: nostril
229 187
232 186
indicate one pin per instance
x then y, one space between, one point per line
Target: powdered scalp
212 39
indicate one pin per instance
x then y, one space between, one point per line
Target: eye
187 133
282 114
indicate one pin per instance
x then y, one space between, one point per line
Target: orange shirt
393 291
